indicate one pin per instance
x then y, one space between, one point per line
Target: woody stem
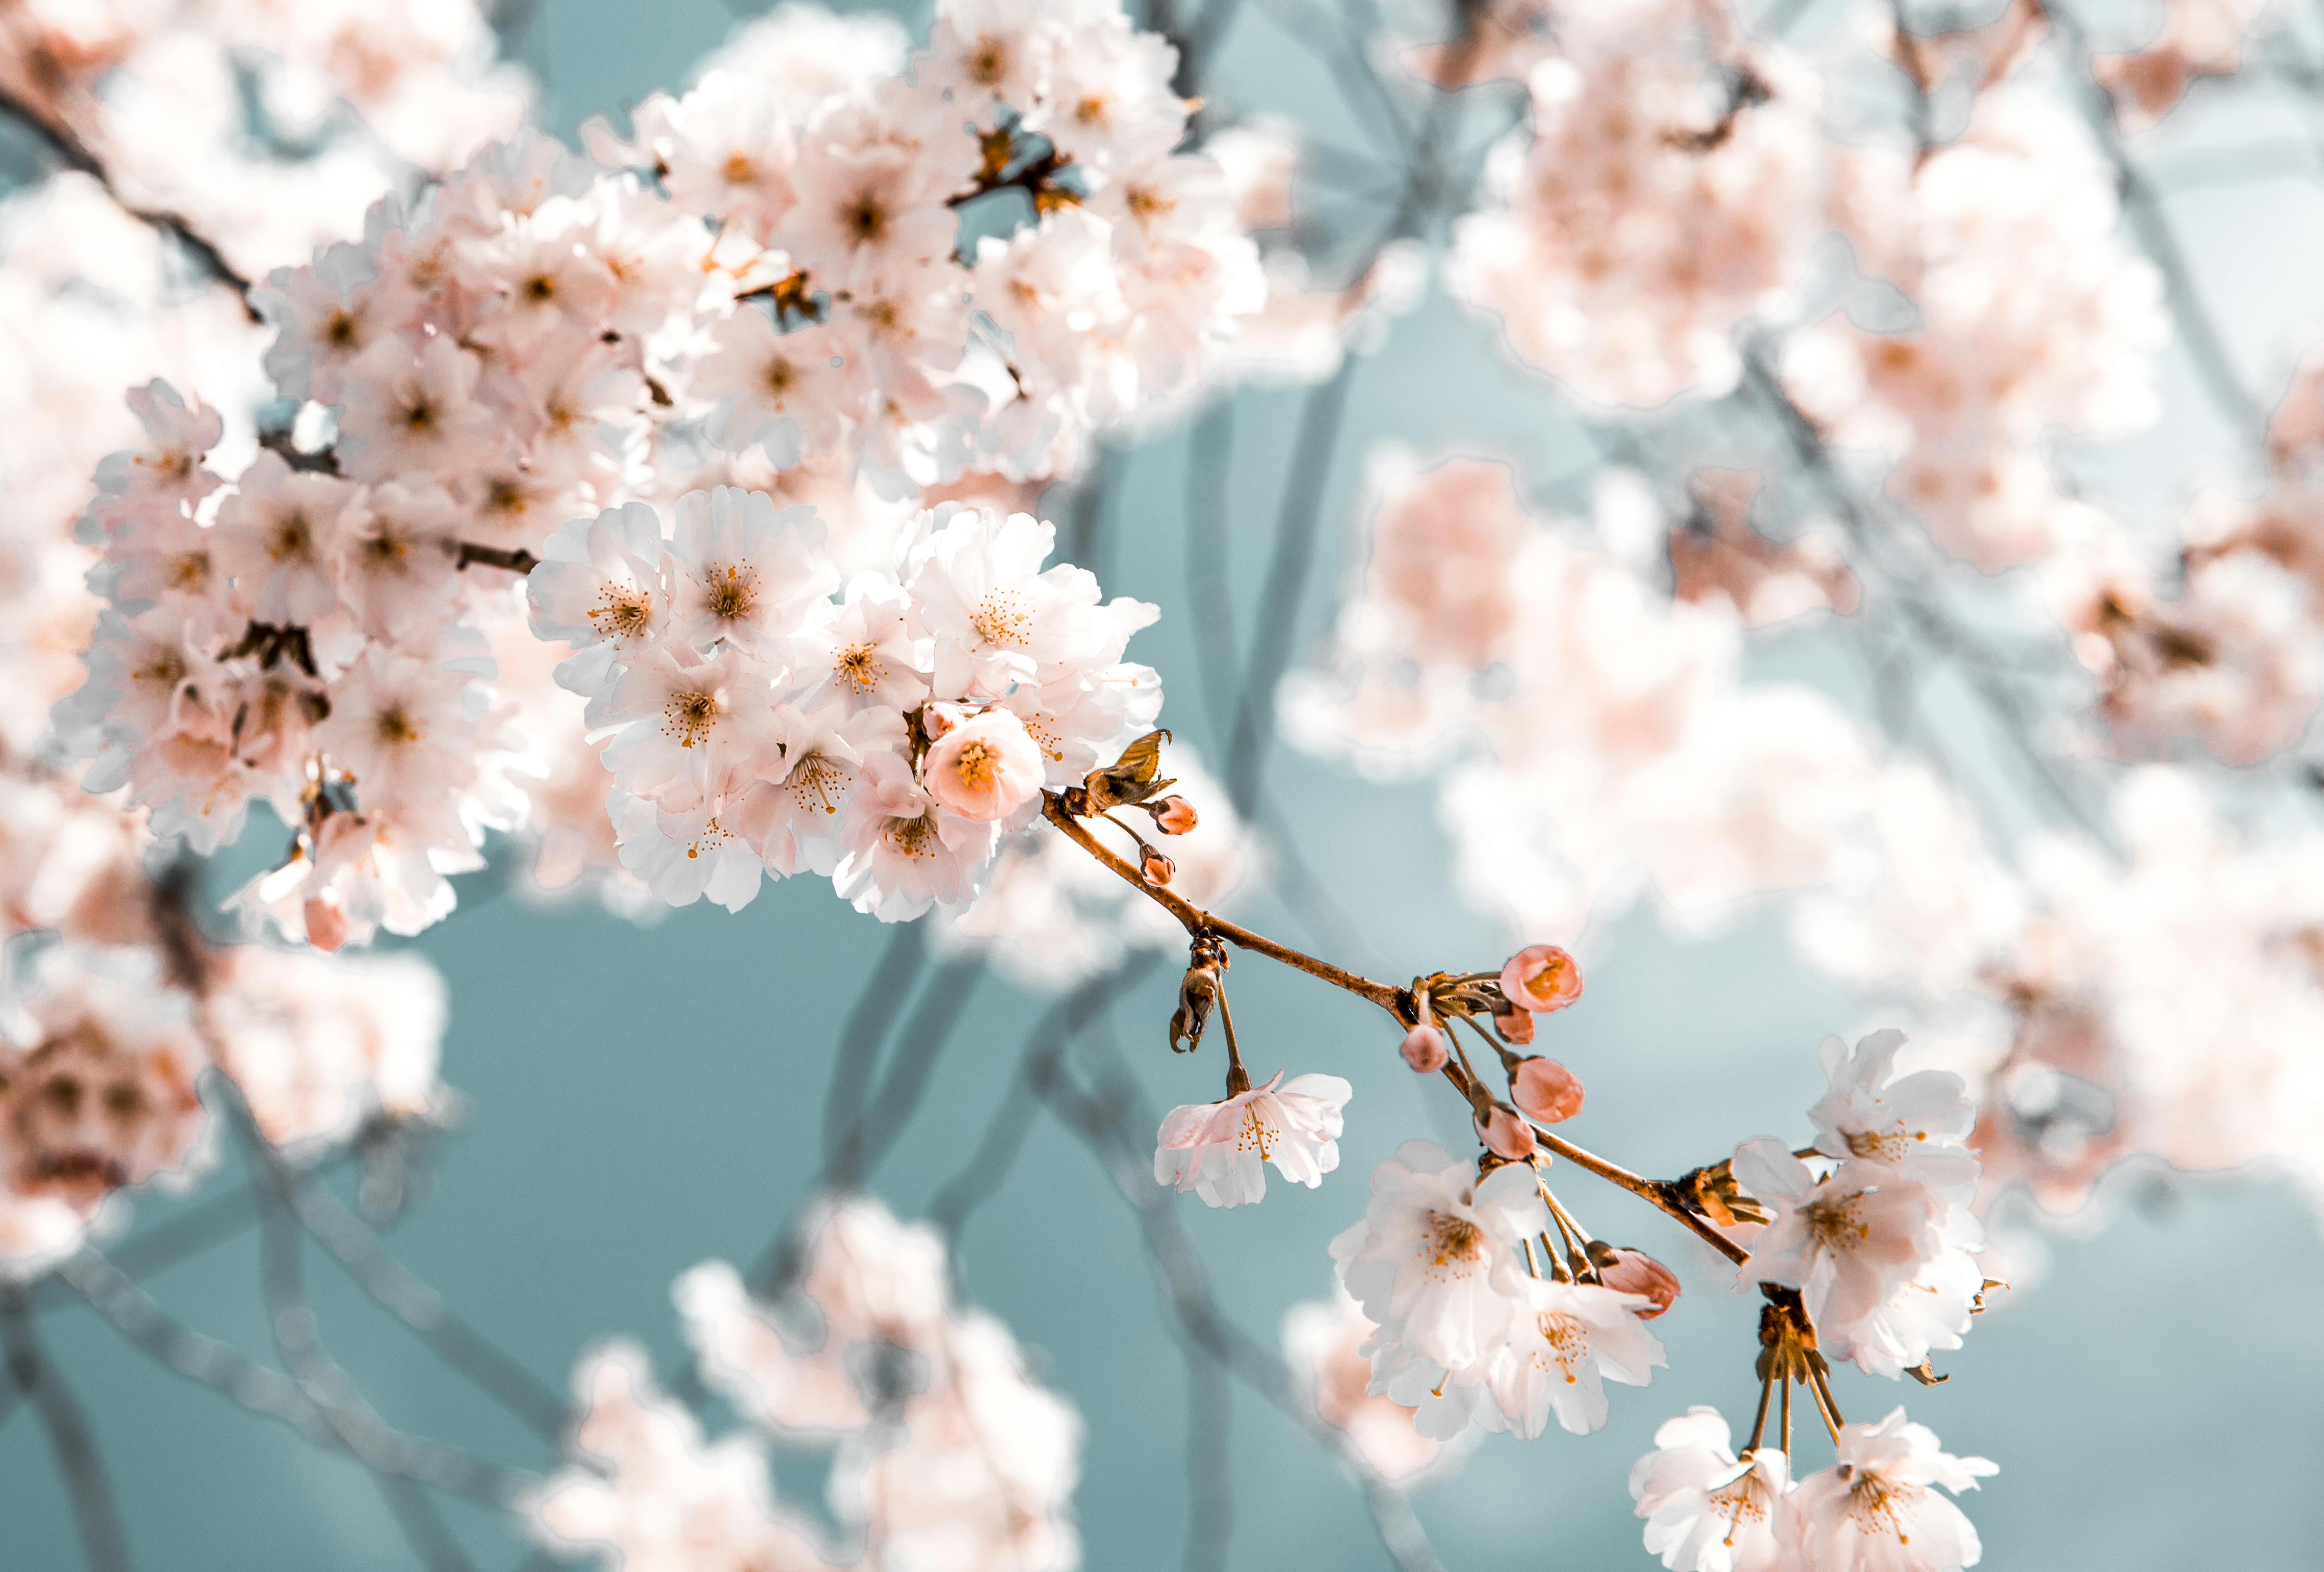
1238 1078
1397 1002
1760 1421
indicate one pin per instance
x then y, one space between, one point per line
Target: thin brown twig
67 148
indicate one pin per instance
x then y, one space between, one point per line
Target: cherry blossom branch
1664 1195
467 553
69 150
270 1394
1198 923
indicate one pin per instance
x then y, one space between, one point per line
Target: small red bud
1635 1272
1545 1089
1157 867
1504 1133
1425 1049
1173 815
1516 1026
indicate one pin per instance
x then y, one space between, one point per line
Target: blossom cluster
897 335
945 1452
775 286
1882 1246
1709 1510
754 724
1474 620
102 1055
1664 193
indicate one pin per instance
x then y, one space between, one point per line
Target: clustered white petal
948 1452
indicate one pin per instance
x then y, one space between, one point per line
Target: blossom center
816 780
1568 1341
859 667
688 717
395 727
977 763
1455 1241
1001 618
293 536
1837 1224
733 590
621 613
913 837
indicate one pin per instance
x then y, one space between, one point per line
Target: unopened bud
1627 1270
1173 815
1543 978
1516 1026
1545 1089
1504 1133
327 925
1426 1049
1157 867
936 719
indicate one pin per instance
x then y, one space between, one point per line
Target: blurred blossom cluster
946 1451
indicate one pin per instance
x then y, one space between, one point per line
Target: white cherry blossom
1220 1150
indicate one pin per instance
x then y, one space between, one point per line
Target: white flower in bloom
1438 1260
746 572
788 392
407 732
862 652
394 563
272 537
1220 1150
1564 1341
1847 1243
654 1492
996 617
411 408
985 767
1877 1509
599 588
169 467
796 816
684 723
683 854
1910 1125
905 852
1707 1510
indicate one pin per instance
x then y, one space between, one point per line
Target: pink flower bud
936 719
1635 1271
1542 977
1515 1026
1504 1133
1173 815
327 925
1425 1049
1157 867
1547 1090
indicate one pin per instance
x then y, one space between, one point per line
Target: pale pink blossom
985 769
1565 1340
1541 977
1707 1510
1220 1150
1878 1507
